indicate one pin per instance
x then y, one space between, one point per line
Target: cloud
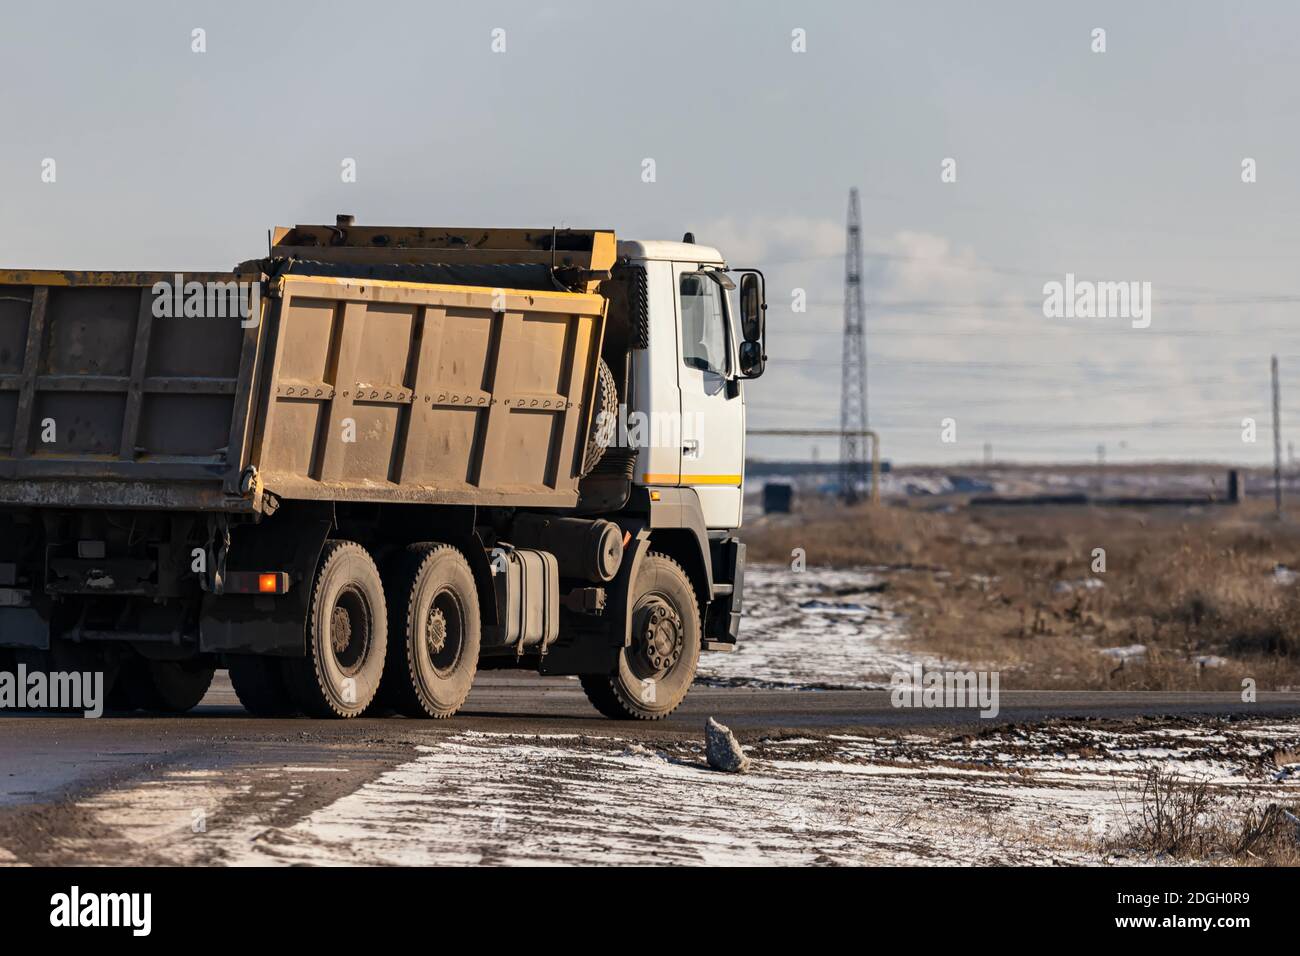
950 334
758 239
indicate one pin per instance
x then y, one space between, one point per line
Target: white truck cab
687 382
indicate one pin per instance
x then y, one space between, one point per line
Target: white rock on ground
722 749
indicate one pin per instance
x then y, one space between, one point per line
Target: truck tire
259 685
655 671
604 419
347 636
126 694
164 687
435 626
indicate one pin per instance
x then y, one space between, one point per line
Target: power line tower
1277 444
853 380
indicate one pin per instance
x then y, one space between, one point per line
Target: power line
979 365
985 269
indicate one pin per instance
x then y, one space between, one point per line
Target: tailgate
110 397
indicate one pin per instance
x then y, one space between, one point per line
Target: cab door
712 402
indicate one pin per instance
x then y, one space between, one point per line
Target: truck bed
450 393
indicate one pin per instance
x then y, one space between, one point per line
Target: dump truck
360 469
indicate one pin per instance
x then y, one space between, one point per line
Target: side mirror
752 325
751 307
752 359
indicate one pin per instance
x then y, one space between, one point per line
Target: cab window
704 324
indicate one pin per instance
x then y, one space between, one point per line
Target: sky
1122 165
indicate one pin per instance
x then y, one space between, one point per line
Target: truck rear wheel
654 673
436 630
165 687
347 636
259 685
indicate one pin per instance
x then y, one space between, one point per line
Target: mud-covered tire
664 609
162 687
259 684
601 696
604 419
434 632
347 636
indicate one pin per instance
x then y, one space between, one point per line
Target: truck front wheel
655 671
436 632
347 636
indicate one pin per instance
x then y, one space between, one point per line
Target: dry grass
1186 820
999 587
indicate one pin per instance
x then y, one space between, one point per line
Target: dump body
330 388
395 391
102 403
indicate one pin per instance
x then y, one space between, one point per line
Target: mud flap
583 651
722 624
290 541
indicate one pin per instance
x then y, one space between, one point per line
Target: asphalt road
46 758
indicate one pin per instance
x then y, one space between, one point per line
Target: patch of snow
1128 652
315 769
832 607
814 629
1083 584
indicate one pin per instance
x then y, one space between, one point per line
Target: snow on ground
816 628
1040 795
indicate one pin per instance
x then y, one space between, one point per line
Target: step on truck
360 469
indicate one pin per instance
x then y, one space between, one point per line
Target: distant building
778 497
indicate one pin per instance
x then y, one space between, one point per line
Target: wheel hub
350 623
661 636
340 629
437 631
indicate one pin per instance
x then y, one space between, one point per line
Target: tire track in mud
187 809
